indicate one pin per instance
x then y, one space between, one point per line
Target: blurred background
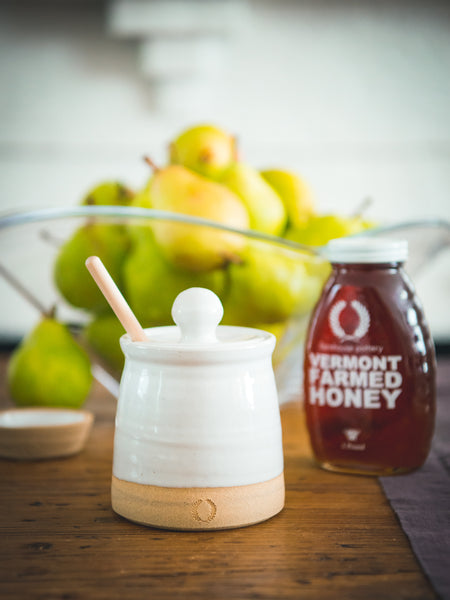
354 95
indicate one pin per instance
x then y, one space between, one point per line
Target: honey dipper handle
115 299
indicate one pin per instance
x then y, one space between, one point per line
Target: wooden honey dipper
115 299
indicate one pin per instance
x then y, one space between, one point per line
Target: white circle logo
363 320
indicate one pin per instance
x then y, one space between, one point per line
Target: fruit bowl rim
434 230
13 218
24 217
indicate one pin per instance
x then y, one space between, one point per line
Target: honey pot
198 441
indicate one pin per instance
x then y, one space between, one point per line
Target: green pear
111 193
269 286
102 334
142 198
49 368
205 149
294 192
320 229
152 283
265 207
139 227
199 248
110 243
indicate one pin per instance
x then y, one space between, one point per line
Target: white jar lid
197 335
366 250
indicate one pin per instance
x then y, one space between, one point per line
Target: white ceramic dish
36 433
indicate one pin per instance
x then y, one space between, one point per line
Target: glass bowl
263 281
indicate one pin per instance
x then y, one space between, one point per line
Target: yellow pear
265 207
294 192
179 190
205 149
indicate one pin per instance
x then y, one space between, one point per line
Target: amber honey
369 370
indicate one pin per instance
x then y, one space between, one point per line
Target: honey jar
369 368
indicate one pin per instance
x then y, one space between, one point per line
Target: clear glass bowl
279 281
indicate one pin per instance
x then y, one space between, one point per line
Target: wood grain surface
336 538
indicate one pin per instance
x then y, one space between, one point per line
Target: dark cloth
421 500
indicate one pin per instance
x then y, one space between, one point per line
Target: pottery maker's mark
204 510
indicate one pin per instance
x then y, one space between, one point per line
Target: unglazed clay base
198 508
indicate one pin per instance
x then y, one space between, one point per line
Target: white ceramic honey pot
198 436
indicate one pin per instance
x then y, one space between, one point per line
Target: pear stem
115 299
152 164
23 291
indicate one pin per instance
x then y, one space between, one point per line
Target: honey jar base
375 471
198 508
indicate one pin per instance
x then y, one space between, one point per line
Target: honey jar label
354 381
347 369
359 329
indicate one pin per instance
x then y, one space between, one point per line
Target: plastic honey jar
369 368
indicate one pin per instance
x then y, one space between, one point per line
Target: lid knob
197 312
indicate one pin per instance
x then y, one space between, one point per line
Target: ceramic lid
197 313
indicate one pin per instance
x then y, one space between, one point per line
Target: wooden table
336 538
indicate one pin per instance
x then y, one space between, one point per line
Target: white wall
354 95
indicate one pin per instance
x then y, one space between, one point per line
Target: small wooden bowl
36 433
